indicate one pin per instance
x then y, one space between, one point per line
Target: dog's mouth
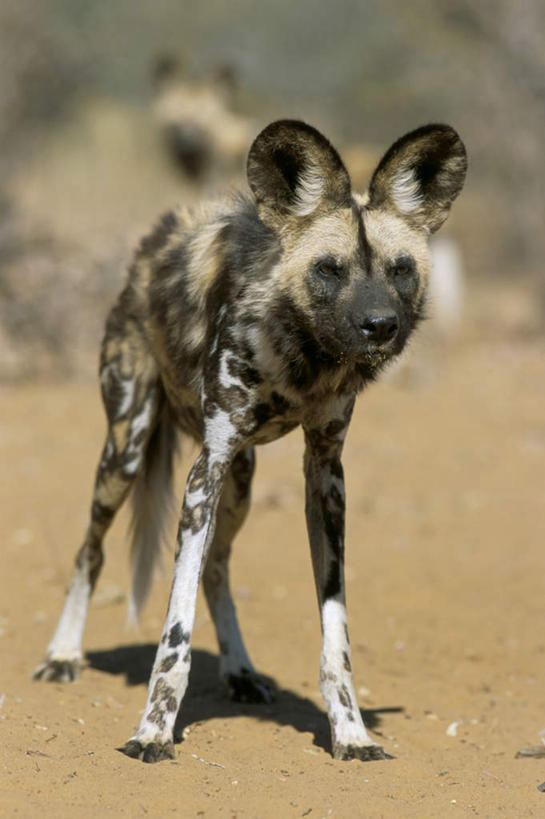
371 356
354 349
375 354
375 358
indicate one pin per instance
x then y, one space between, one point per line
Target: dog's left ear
420 176
293 172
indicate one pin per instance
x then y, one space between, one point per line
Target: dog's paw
58 670
249 687
150 752
366 753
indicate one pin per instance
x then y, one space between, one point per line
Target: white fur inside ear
406 191
309 191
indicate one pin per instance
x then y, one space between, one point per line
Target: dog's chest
238 396
266 416
273 418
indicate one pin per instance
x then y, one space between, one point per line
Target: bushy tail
152 503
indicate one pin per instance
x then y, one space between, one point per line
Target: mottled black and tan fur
238 323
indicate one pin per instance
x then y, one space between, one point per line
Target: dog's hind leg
131 395
236 668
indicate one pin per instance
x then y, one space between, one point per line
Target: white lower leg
66 643
336 682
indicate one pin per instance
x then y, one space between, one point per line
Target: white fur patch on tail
152 506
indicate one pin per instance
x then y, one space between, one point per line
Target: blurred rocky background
92 149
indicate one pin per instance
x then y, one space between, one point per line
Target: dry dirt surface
445 556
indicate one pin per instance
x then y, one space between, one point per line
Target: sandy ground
445 540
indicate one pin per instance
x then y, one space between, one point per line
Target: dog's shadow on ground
204 699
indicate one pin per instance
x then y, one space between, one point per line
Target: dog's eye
402 269
327 269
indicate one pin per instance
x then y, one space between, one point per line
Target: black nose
380 329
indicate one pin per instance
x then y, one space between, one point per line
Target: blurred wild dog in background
202 132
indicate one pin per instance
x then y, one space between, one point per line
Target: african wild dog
201 130
238 323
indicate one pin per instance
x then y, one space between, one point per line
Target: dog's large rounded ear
293 172
420 176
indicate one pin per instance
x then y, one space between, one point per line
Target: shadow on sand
204 700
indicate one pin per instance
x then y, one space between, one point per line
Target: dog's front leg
153 740
325 508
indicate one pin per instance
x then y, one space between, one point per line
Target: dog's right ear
293 172
420 176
